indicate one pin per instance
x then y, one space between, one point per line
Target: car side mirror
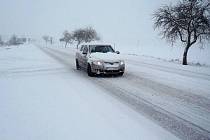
117 52
85 51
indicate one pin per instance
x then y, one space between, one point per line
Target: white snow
109 57
181 90
42 99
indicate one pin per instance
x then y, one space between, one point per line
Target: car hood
108 57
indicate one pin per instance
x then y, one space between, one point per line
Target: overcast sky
127 23
115 20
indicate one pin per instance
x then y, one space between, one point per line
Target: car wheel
77 65
89 71
121 74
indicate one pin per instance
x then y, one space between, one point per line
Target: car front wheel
121 74
77 65
89 71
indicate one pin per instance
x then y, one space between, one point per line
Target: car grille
111 63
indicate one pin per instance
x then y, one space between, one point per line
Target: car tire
77 65
121 74
89 71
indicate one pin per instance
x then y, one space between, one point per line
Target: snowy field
43 96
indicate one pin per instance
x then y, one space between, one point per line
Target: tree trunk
65 44
78 45
184 62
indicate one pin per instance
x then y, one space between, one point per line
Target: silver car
99 59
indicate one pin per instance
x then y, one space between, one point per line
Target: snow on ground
43 99
182 91
184 77
190 78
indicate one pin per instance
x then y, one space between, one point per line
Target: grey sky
127 23
115 20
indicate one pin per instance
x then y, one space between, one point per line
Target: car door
84 57
79 57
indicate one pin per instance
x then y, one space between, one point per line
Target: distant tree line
14 40
78 36
48 39
1 41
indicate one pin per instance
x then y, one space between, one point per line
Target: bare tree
188 20
67 38
46 38
90 34
79 36
1 42
85 35
13 40
51 40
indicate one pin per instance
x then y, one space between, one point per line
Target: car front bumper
107 69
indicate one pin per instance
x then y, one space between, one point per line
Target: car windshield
101 48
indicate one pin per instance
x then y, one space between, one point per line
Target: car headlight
122 62
99 63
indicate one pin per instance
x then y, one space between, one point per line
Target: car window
101 48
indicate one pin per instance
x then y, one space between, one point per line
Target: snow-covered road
43 96
175 97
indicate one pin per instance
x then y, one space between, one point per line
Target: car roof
96 43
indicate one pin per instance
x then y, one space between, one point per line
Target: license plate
112 68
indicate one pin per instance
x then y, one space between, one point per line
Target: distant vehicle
99 59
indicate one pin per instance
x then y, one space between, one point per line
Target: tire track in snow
188 97
170 70
176 125
24 71
166 90
182 128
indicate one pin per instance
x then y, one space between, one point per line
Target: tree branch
181 37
